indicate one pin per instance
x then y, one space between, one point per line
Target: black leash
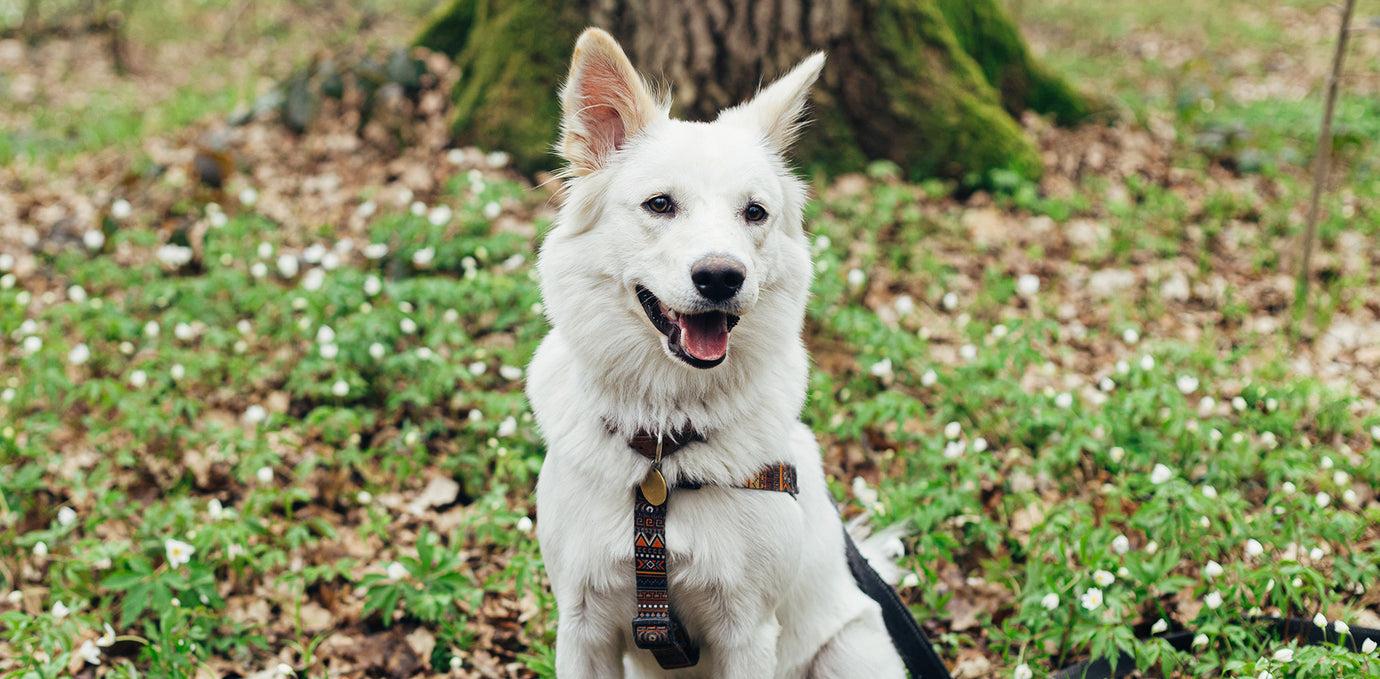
910 641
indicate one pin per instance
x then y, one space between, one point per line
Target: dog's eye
755 213
661 205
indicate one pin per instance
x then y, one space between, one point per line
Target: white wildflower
314 253
1323 499
255 414
66 516
509 372
1160 627
1284 655
904 305
979 444
477 368
178 551
329 351
1022 671
1116 453
215 509
1103 578
492 210
953 430
314 280
1147 362
248 197
1210 492
1121 544
856 277
138 379
397 571
1130 336
928 379
1316 553
1254 548
439 215
881 368
1212 570
1341 627
1027 285
1106 384
954 450
1160 474
1200 640
32 344
93 239
265 474
949 301
1092 599
376 351
408 326
1187 384
372 286
287 266
89 652
968 352
174 255
1368 646
376 250
1050 601
121 209
79 354
1320 620
340 389
258 269
40 549
1213 600
60 610
1238 404
423 258
107 639
507 427
1063 400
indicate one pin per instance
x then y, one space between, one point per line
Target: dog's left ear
778 111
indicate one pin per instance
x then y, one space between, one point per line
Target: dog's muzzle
700 339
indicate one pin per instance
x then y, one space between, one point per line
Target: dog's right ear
604 100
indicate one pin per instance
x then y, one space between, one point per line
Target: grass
185 436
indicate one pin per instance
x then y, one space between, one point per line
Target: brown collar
644 442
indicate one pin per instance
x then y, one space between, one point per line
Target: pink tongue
705 336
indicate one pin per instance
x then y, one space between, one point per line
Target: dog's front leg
587 647
745 651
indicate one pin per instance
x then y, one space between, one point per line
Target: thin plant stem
1322 163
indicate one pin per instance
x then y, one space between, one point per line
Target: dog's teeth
672 315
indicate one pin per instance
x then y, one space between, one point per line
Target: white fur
758 578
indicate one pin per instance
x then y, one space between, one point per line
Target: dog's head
694 228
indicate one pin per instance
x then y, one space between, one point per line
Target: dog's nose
717 277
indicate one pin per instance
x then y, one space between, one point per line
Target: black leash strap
910 641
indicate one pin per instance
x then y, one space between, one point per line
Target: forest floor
261 402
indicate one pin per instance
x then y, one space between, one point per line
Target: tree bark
931 85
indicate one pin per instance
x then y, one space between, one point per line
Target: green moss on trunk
512 54
989 36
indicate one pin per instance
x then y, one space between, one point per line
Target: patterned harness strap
656 628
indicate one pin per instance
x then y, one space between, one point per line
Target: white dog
675 281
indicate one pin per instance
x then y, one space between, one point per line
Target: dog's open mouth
701 340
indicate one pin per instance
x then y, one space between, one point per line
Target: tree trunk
929 84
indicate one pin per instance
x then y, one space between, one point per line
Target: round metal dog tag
654 487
